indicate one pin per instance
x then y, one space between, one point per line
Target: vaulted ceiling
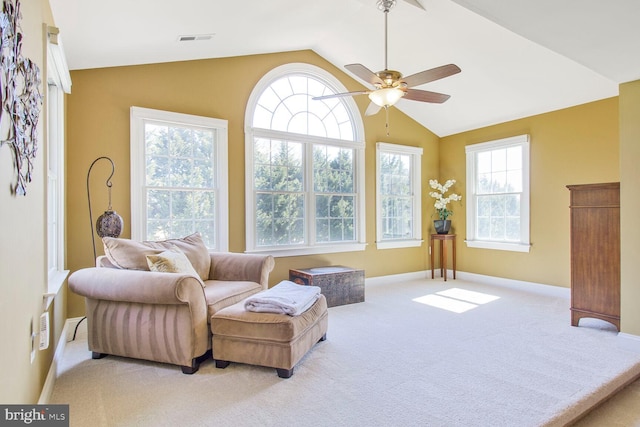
518 57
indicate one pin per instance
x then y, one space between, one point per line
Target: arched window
304 165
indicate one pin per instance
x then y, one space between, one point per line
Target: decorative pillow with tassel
173 260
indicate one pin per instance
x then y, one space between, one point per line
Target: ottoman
267 339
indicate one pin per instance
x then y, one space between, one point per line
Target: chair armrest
145 287
238 266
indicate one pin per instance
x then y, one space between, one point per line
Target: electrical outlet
44 331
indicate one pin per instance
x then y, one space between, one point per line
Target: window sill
279 252
501 246
395 244
55 282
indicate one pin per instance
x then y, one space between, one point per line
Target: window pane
498 182
282 88
157 171
268 101
322 230
333 169
497 228
514 158
483 228
484 206
513 228
484 162
322 206
158 204
514 181
208 231
180 172
277 165
512 205
338 221
280 219
158 229
484 183
498 160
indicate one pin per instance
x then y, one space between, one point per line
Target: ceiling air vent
195 37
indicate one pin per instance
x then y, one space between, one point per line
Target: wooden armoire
595 252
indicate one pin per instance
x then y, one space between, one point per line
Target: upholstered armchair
162 316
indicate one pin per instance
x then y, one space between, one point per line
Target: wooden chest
340 285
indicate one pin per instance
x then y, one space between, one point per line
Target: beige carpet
416 353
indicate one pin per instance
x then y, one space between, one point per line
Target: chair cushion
221 293
132 255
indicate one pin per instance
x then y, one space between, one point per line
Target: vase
442 226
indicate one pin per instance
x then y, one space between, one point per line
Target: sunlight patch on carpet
456 300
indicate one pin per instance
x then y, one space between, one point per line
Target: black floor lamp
109 224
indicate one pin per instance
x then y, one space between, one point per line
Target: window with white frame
58 83
498 194
304 165
398 196
179 177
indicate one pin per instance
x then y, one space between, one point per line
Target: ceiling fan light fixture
386 97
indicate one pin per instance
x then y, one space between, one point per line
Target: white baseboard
395 278
550 290
50 381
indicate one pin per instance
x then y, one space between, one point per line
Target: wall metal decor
20 97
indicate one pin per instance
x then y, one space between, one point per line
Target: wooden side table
443 253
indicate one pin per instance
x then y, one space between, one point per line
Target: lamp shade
109 224
386 97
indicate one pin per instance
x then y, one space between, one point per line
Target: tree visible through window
498 182
398 196
179 177
180 181
304 165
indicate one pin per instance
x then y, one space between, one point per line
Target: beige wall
630 206
98 125
23 256
577 145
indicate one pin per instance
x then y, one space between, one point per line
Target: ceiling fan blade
372 109
364 73
425 96
415 3
431 75
338 95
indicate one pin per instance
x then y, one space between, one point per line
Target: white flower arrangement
441 202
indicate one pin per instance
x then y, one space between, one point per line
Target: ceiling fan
389 85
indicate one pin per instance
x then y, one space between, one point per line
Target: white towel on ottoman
285 298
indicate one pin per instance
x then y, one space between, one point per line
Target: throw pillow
131 255
172 260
